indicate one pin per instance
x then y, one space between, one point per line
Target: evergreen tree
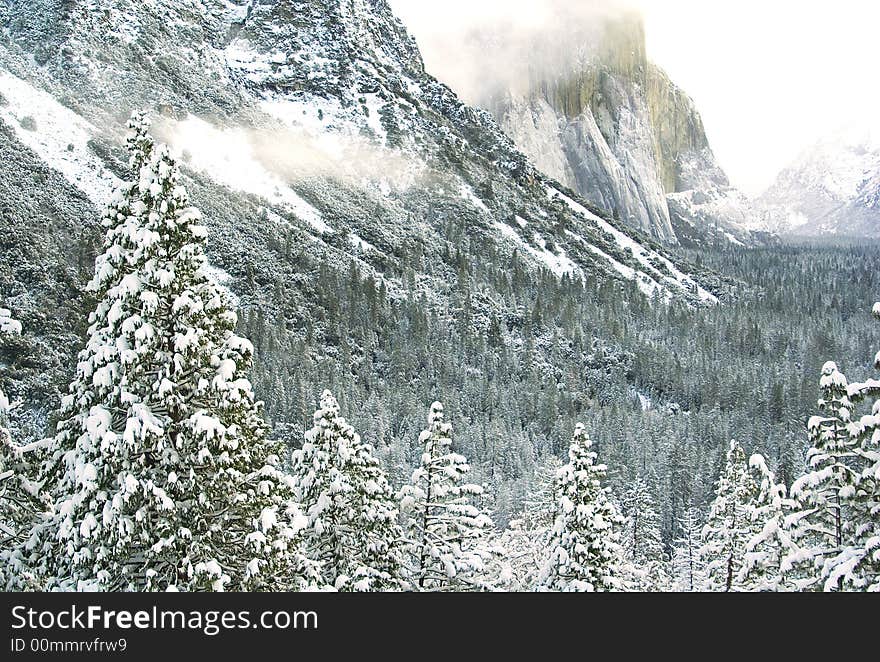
859 565
539 506
825 519
161 473
729 527
688 566
584 553
641 540
20 499
353 529
525 538
8 327
448 534
766 564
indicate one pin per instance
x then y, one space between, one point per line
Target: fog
483 46
265 161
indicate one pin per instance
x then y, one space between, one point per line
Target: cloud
266 161
481 48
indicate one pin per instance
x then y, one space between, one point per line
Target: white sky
769 77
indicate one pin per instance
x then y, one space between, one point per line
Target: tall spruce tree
688 566
646 567
766 563
20 497
539 506
825 530
162 476
8 327
583 551
525 538
858 566
448 535
729 527
353 518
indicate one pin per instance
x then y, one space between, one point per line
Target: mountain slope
592 111
285 72
831 189
364 219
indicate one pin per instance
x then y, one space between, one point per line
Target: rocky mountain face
592 111
831 189
317 148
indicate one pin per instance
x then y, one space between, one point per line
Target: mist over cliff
572 85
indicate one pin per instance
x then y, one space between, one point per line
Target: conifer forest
282 311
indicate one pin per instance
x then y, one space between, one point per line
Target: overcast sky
768 76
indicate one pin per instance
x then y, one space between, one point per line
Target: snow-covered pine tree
525 538
448 535
729 527
20 502
8 327
583 551
353 518
162 476
766 564
825 522
688 566
539 507
645 566
860 568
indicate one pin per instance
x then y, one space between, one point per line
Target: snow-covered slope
314 143
277 100
832 188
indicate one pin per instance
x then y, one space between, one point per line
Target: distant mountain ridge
831 189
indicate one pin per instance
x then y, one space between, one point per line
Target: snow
268 519
60 139
824 188
374 104
641 254
357 242
130 483
310 116
213 569
86 473
98 422
559 264
328 140
222 278
89 523
236 12
627 272
229 157
209 426
242 56
732 239
9 325
840 163
468 194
